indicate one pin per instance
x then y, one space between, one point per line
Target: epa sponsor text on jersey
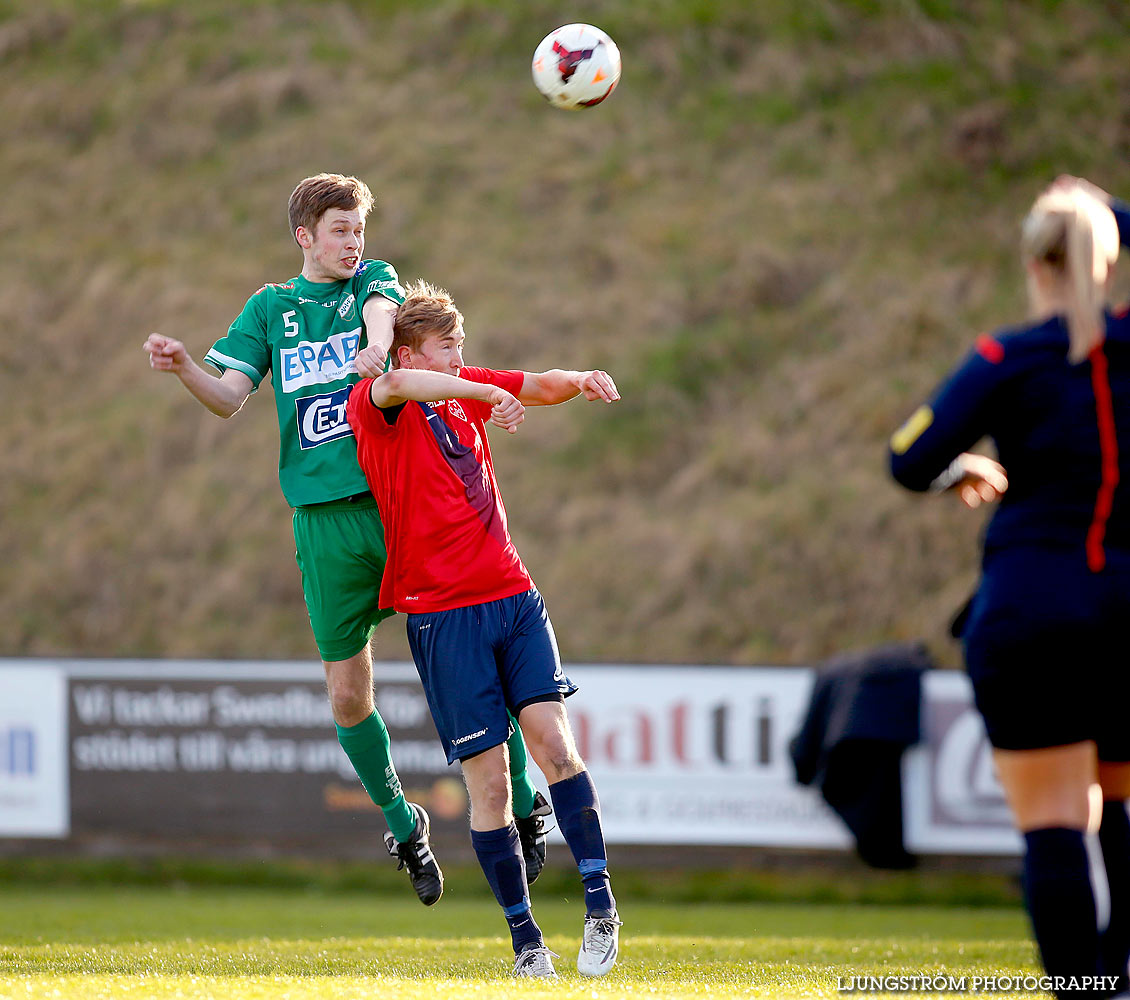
310 363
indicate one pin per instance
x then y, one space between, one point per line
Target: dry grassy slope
783 228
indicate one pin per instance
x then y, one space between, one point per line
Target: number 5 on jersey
290 323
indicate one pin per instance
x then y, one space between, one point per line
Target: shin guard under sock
1061 901
578 815
500 856
367 747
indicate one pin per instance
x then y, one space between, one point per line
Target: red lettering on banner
644 743
628 739
582 733
647 741
679 732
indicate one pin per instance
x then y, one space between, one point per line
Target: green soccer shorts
340 550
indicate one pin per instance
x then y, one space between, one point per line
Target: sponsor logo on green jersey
322 418
318 363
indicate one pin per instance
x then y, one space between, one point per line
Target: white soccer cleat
535 962
600 943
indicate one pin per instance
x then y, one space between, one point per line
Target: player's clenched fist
598 385
165 354
506 411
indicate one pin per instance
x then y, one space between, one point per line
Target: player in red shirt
478 629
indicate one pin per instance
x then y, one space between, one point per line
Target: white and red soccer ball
576 66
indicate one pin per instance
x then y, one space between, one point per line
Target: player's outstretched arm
558 386
379 314
223 394
403 384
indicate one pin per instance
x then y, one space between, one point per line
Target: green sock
367 747
523 788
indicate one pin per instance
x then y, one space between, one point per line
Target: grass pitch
191 943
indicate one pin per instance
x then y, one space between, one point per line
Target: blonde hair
316 195
1075 234
427 309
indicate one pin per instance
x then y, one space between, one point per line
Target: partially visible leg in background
1047 791
1114 837
530 807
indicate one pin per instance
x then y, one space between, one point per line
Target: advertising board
33 754
699 755
952 801
246 751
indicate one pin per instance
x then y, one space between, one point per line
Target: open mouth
349 261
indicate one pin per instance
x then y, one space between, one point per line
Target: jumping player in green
316 334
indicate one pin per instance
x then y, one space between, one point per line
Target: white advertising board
952 801
681 755
34 800
699 755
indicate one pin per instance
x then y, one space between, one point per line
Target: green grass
848 882
149 941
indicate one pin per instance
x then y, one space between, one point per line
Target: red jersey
429 467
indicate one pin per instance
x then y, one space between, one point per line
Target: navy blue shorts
1046 650
478 661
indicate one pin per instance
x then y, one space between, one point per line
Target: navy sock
578 815
1061 902
500 856
1114 942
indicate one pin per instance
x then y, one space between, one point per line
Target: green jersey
306 335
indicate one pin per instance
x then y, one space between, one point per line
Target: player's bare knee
490 794
349 704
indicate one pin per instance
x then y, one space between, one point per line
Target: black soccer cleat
531 834
416 855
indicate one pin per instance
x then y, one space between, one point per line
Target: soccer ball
576 66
